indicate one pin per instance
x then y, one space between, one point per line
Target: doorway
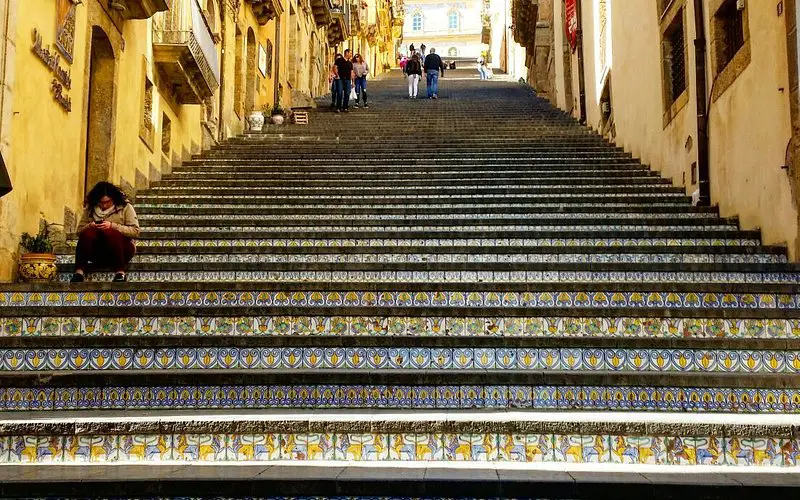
100 119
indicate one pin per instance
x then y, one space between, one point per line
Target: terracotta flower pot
37 267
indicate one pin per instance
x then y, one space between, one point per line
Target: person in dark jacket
433 67
413 72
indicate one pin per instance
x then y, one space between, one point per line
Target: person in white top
482 68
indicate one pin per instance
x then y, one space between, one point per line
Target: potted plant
278 114
256 120
37 264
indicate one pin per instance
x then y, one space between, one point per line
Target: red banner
572 23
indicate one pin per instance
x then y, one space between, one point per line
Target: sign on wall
65 27
572 23
62 78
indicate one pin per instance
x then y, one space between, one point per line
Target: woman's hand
103 225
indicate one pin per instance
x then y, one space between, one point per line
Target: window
730 43
674 57
416 22
452 21
729 32
452 52
166 133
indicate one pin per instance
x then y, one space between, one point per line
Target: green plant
40 243
277 110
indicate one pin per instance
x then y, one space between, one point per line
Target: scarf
99 215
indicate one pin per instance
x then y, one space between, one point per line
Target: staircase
471 295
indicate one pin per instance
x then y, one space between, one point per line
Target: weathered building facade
123 90
701 90
453 29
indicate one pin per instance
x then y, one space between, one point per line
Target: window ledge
675 108
731 72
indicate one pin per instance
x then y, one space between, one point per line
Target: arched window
452 21
416 22
452 52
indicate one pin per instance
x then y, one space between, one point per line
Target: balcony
184 52
138 9
266 10
322 12
339 29
524 15
355 19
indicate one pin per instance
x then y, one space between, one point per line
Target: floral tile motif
419 358
402 299
573 398
594 327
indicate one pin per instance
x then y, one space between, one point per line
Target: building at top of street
452 28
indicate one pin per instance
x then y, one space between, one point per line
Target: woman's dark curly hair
105 189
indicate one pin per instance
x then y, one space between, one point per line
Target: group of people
417 63
348 78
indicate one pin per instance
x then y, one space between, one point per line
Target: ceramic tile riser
474 283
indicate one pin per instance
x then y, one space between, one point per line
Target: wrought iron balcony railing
184 51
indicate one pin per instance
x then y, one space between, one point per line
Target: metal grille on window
677 57
733 19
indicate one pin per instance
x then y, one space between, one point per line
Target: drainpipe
222 94
277 80
5 181
703 156
581 70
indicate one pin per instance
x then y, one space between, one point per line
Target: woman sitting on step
106 232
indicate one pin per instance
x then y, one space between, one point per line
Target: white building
452 28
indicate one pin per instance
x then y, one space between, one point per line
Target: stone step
623 210
205 240
135 397
449 357
322 149
183 223
312 230
243 185
314 157
505 438
204 177
358 331
462 220
532 273
422 479
221 165
561 140
433 236
590 255
563 198
287 296
393 190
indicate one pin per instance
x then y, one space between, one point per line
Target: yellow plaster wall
749 124
636 94
47 167
750 129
